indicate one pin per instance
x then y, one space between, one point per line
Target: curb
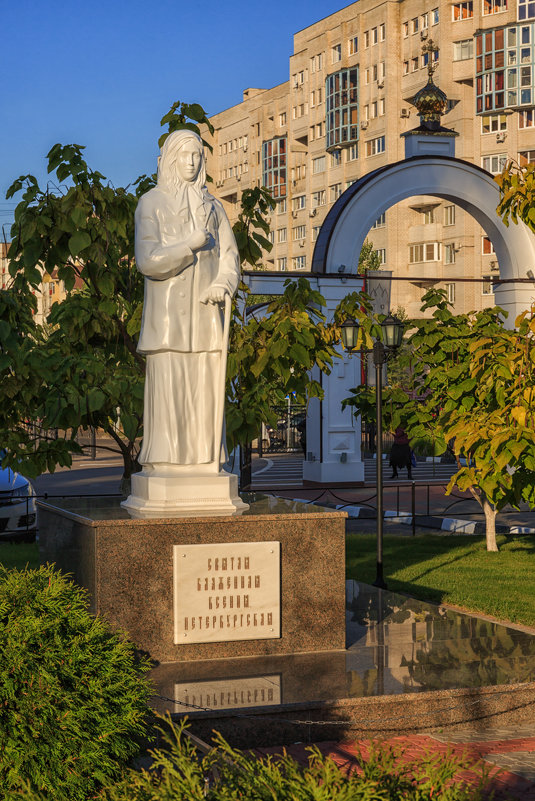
451 524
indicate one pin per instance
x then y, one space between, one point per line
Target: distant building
340 116
50 290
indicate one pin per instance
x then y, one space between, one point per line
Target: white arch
457 181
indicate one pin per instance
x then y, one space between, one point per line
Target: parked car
18 514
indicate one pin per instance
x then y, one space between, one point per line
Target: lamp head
392 331
349 334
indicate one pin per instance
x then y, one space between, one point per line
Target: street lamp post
392 335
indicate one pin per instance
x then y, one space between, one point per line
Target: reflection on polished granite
395 645
109 510
402 645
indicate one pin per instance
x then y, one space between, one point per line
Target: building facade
340 115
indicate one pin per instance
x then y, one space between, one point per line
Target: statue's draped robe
182 337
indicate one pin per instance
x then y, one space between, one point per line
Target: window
373 110
494 164
316 63
414 64
493 123
299 262
526 9
336 53
494 6
299 232
352 152
367 74
490 72
382 106
281 235
405 29
435 17
341 96
353 45
380 221
463 50
463 10
319 198
318 165
375 146
486 286
281 206
381 255
336 158
366 39
405 68
351 182
299 202
526 119
450 288
415 24
274 166
334 192
449 254
428 217
424 251
374 72
375 36
281 264
382 32
299 172
526 157
271 237
487 248
315 232
449 215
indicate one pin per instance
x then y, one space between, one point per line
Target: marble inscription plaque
226 592
228 693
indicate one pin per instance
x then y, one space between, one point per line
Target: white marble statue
186 250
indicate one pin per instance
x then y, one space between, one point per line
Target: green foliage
251 228
272 354
368 258
468 385
517 190
186 115
72 693
179 772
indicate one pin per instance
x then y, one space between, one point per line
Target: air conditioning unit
245 148
364 124
501 137
405 112
312 213
294 215
381 85
423 36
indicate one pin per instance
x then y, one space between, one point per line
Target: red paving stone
503 783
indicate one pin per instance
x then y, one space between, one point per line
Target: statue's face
189 161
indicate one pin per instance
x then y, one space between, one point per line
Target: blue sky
102 74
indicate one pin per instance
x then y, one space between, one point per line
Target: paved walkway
507 754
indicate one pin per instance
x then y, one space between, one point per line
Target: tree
368 258
517 190
469 386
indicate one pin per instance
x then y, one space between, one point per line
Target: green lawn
19 554
455 570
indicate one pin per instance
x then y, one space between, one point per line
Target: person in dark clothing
400 455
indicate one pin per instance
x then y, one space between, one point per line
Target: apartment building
340 115
49 291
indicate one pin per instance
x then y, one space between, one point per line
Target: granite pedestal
129 567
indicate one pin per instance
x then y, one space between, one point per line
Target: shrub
72 692
178 773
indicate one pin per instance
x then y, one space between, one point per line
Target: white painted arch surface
451 179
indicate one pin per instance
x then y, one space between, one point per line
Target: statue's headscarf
194 194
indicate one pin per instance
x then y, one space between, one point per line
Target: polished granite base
408 666
177 587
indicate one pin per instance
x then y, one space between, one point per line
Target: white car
18 516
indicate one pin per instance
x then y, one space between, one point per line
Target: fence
289 435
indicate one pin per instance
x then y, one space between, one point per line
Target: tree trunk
490 522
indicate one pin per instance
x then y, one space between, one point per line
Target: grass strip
19 554
455 570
